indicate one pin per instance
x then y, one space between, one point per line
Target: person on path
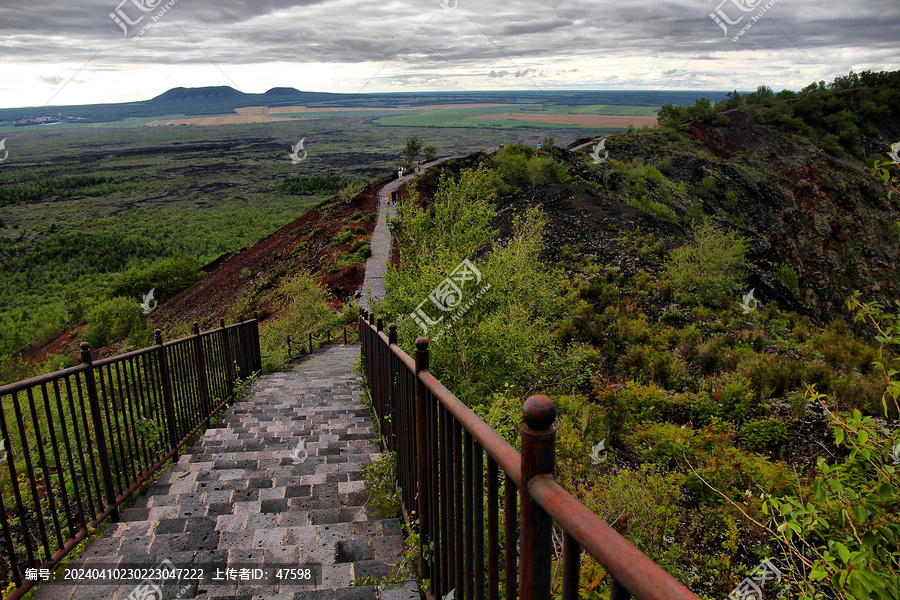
539 149
419 167
393 198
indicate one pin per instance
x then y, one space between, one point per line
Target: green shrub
788 277
113 320
167 277
709 270
731 201
737 397
653 365
342 237
706 189
831 144
381 485
665 166
845 526
762 434
304 309
545 170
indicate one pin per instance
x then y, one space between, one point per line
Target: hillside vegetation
730 434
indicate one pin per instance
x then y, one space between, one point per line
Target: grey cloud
474 37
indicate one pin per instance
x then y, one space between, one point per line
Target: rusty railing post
345 335
538 460
229 362
102 449
392 341
310 344
168 402
289 347
421 449
362 338
378 384
257 350
201 370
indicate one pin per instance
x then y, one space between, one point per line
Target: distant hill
218 100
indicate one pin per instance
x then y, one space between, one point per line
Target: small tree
412 149
710 267
430 152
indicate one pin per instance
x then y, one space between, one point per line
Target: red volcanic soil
303 244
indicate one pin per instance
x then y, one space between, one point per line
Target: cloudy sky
57 52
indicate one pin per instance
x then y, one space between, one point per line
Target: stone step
246 494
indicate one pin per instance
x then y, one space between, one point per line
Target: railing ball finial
538 412
196 327
158 335
422 344
85 352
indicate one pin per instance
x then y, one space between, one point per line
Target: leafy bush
167 276
788 277
304 309
113 320
653 365
761 434
709 270
342 237
706 189
381 484
544 170
510 324
316 185
517 167
843 533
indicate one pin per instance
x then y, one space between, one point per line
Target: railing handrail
322 334
97 449
23 384
507 457
633 569
543 499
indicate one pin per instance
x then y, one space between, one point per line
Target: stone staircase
276 482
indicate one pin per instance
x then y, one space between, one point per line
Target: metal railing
297 348
78 442
447 456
